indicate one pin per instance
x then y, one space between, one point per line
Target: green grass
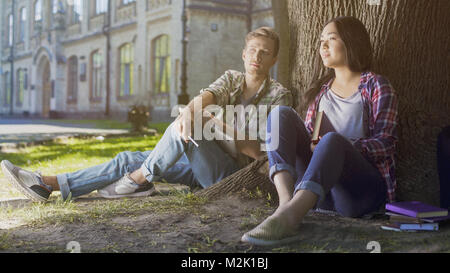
74 154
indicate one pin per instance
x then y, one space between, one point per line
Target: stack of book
414 216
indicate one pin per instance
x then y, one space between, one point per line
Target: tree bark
411 48
251 179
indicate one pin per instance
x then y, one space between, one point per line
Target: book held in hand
416 209
322 126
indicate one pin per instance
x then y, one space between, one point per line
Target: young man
176 158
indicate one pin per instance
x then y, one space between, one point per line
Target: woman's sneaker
126 187
29 183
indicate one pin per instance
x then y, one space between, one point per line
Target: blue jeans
341 177
172 160
443 163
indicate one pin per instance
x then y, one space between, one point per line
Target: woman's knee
332 139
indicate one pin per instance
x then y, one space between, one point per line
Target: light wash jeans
172 159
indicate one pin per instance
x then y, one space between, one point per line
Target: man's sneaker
126 187
29 183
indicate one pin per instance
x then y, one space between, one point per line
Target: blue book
411 226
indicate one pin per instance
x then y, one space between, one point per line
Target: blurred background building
91 58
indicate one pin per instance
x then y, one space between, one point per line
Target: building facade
88 58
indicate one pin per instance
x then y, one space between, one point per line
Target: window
56 6
23 23
126 2
161 69
126 70
20 86
96 75
38 10
10 29
77 11
101 6
7 89
72 79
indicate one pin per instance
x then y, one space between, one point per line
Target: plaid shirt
229 87
228 90
380 101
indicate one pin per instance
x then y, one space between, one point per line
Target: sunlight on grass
72 155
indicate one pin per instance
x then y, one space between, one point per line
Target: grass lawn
73 154
175 220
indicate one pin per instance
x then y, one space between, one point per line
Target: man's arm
186 117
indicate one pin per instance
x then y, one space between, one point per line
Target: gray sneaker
28 183
126 187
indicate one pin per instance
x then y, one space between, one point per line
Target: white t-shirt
345 114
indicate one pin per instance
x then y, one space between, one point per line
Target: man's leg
208 162
97 177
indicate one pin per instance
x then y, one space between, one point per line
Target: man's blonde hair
267 32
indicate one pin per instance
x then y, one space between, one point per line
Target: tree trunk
411 48
251 179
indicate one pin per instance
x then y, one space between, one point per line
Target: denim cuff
311 186
63 186
148 175
278 167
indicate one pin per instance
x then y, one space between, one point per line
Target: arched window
77 11
101 6
38 11
23 24
96 75
126 70
72 79
20 94
161 64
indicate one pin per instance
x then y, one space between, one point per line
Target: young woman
350 170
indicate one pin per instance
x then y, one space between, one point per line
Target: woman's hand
313 146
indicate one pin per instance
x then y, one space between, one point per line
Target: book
394 217
395 227
411 226
322 125
398 218
416 209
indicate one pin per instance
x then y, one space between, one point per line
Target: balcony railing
157 4
97 22
126 12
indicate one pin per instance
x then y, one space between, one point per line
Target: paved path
31 130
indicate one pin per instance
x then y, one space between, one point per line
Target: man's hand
183 123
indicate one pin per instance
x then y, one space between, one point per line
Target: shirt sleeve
285 98
221 88
381 144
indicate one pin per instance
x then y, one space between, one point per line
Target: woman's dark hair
359 54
